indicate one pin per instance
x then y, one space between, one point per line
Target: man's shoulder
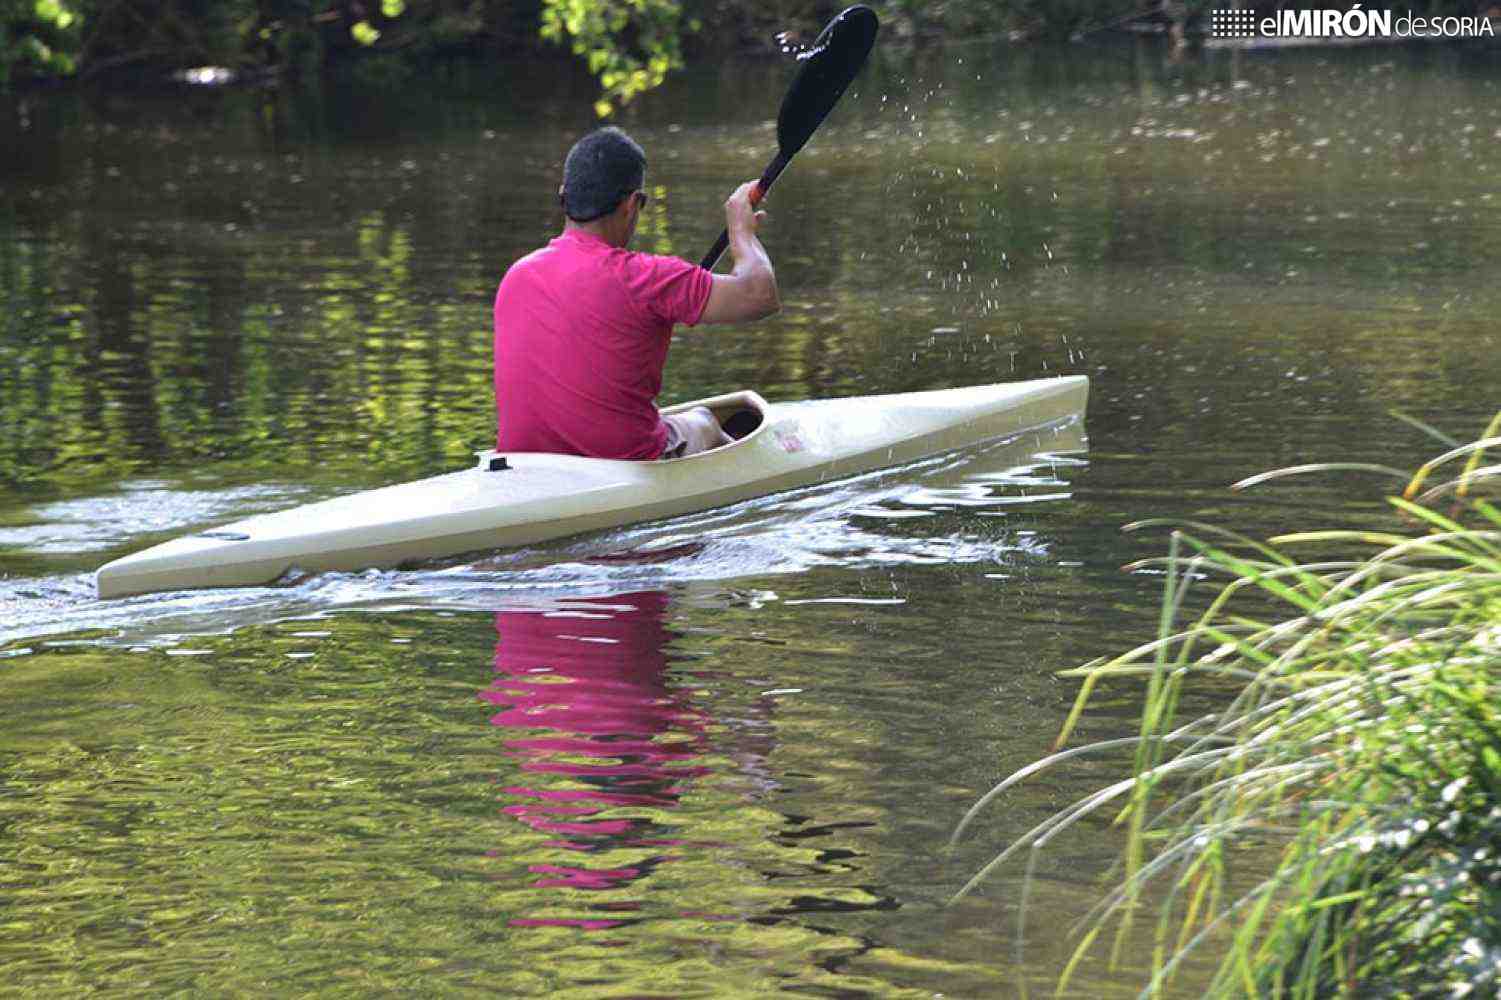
659 266
647 257
669 289
535 259
533 267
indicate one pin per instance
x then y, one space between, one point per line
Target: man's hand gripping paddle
827 69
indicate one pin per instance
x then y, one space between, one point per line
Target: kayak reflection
605 741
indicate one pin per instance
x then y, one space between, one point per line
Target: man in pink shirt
582 325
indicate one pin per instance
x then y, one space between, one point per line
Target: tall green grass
1334 829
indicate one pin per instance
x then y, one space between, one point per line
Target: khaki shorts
676 444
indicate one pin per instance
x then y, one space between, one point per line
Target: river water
720 755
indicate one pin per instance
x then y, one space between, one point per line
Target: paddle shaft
768 177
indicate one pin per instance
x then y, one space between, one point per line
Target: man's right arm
749 291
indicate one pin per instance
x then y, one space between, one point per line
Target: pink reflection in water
613 736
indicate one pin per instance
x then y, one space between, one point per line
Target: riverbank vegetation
629 46
1334 828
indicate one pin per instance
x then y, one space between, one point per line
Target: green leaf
363 33
53 13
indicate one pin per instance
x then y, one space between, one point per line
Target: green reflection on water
322 805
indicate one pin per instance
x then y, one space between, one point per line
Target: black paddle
828 67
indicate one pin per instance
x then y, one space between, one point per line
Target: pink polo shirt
581 335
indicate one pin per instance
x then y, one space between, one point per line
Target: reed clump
1335 829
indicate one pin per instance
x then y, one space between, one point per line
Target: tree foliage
630 46
61 38
39 36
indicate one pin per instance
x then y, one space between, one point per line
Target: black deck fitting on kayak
499 464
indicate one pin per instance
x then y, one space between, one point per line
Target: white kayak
524 497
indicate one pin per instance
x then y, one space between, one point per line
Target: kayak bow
522 498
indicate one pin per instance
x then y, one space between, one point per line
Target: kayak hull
524 498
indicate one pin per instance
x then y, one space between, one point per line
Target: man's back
581 336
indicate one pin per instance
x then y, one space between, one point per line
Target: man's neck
607 229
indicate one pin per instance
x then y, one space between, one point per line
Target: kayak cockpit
740 414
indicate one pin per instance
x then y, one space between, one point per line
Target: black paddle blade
828 67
